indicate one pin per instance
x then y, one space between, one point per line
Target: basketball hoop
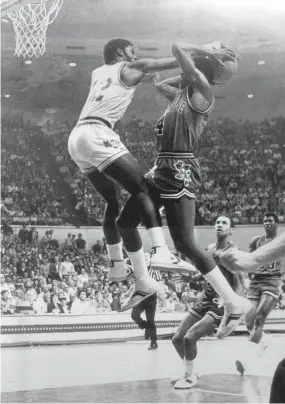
30 25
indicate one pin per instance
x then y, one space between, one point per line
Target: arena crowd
243 175
39 276
242 164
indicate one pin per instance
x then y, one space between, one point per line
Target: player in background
274 250
205 314
103 159
175 178
264 290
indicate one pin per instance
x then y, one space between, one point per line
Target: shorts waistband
176 155
94 119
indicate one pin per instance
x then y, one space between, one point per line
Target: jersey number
268 267
103 85
159 126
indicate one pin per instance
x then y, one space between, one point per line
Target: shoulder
254 241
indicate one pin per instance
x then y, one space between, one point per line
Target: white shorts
94 146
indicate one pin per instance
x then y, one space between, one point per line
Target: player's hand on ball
238 261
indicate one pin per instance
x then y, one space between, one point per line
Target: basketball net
30 25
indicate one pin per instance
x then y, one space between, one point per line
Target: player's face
269 224
129 54
223 226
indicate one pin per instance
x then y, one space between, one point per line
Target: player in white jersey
102 157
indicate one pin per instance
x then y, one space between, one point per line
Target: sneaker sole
240 368
168 267
125 308
186 387
232 329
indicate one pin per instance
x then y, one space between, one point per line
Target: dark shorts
176 176
207 306
268 286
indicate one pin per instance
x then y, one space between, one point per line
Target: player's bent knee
112 209
177 339
190 338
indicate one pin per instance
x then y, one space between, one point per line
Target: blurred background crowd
39 276
242 163
243 173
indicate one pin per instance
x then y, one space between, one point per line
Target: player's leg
202 328
266 305
249 318
126 171
277 393
136 316
255 321
108 190
150 309
183 328
180 215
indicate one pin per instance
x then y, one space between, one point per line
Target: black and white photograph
142 201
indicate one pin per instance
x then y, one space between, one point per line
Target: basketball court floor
128 372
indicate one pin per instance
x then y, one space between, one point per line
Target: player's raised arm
133 72
252 246
202 95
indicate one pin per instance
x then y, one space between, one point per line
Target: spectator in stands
23 234
54 306
68 241
7 306
31 294
41 304
83 278
64 308
66 267
54 269
101 304
116 302
80 242
81 305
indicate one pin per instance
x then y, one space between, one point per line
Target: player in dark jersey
175 178
264 290
205 314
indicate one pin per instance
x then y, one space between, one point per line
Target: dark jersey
209 291
181 126
272 270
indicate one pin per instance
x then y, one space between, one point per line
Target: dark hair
111 47
272 214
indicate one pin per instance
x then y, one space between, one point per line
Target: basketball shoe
187 382
144 287
235 312
120 271
163 260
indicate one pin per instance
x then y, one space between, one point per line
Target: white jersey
108 97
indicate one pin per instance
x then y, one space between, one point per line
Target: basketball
225 71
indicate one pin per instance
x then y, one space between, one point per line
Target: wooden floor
128 372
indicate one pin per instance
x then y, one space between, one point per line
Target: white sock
189 366
220 284
139 263
157 237
115 251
